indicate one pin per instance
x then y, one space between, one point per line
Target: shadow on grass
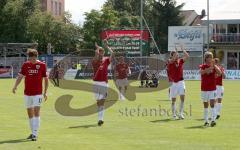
196 127
200 119
164 100
84 126
15 141
163 120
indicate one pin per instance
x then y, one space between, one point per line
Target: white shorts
33 101
177 88
100 90
208 95
122 82
219 91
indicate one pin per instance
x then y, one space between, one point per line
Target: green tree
23 21
14 14
96 22
43 28
159 14
163 13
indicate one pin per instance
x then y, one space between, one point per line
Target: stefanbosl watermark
141 111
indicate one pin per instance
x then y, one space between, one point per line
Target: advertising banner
192 37
5 72
127 41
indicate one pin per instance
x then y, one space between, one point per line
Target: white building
225 40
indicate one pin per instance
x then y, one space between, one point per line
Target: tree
22 21
163 13
43 28
13 16
96 22
159 14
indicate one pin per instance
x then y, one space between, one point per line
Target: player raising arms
122 70
220 89
175 74
208 72
100 68
34 72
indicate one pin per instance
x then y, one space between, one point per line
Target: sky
218 8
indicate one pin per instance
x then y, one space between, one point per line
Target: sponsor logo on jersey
37 66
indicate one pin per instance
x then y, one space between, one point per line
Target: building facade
55 7
224 37
225 41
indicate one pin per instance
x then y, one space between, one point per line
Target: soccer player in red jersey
122 70
208 72
34 72
175 74
220 88
100 69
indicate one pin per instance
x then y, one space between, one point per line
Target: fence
69 64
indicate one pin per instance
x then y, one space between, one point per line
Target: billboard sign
127 41
5 72
192 37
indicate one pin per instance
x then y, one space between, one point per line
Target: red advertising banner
127 41
5 72
133 34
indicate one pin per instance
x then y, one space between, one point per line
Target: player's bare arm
128 71
96 57
18 81
186 55
171 60
110 50
218 71
223 75
45 88
206 70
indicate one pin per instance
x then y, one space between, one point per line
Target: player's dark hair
32 53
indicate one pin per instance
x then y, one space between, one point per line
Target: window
52 6
221 28
232 28
239 61
232 60
214 28
44 5
60 8
56 8
238 28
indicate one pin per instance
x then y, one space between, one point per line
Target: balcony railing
226 38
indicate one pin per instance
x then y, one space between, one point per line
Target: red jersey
100 69
34 73
208 82
175 70
122 70
220 78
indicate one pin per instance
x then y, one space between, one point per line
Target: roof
190 17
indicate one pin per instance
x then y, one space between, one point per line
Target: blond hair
32 53
208 55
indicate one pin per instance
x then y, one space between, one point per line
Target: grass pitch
120 131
